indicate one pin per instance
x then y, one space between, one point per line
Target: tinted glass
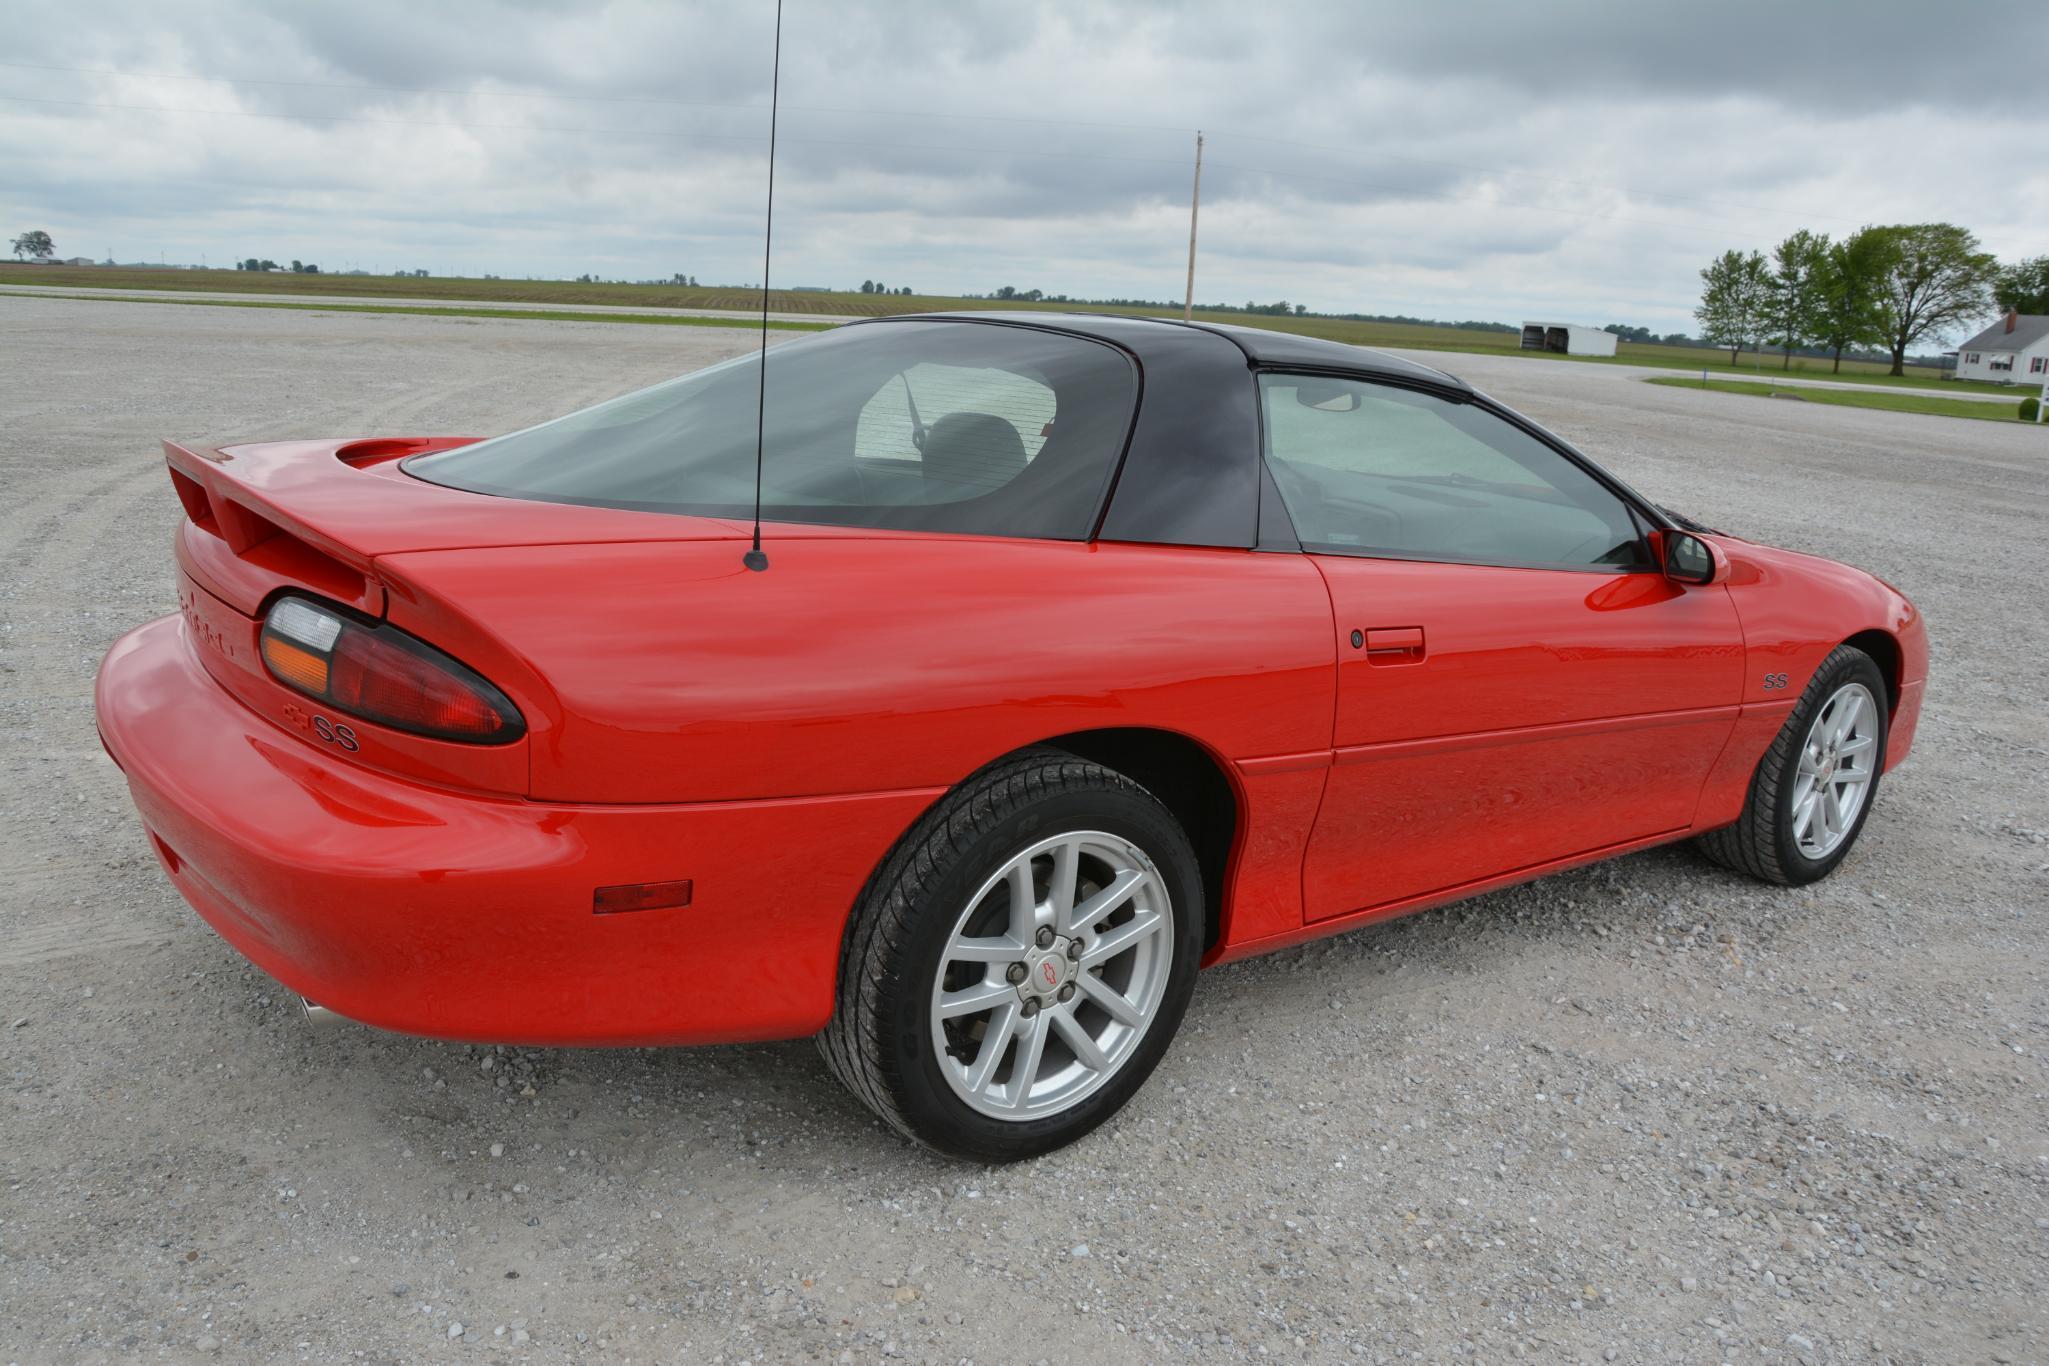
1370 469
960 427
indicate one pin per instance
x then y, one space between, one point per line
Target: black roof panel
1268 347
1260 345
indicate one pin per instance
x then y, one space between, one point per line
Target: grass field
541 293
457 311
1851 398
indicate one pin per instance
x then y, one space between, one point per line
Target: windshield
919 426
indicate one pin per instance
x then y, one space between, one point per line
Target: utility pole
1194 207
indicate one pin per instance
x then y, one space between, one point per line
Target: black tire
1761 842
879 1042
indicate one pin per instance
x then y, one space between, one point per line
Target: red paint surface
768 737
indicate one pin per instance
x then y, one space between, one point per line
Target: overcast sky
1579 161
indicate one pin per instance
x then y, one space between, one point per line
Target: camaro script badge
207 632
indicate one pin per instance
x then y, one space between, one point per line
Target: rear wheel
1021 961
1814 787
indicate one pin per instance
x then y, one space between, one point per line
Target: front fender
1796 608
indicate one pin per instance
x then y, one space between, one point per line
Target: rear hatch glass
918 426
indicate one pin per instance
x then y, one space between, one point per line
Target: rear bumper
466 917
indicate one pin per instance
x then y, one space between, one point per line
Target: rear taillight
381 674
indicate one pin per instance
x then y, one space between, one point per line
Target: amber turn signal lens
295 665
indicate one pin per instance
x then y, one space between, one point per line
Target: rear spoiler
320 515
244 545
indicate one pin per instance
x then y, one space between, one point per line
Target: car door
1517 682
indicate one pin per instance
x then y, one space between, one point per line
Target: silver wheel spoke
1060 893
995 1044
1081 1041
1856 746
1121 938
1121 889
1853 707
1803 817
983 995
1030 1050
984 951
1024 905
1114 1002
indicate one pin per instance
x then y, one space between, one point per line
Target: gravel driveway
1645 1111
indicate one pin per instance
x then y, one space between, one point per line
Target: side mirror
1689 559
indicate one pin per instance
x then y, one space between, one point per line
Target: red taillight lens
381 674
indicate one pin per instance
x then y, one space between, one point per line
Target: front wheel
1814 787
1020 962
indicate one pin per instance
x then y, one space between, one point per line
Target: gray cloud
1575 157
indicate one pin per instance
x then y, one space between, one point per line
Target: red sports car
1089 650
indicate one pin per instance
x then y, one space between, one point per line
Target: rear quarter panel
878 663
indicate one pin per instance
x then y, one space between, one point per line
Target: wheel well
1885 653
1192 785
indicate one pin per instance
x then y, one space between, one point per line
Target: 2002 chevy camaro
1089 651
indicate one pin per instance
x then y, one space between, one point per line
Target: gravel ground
1645 1111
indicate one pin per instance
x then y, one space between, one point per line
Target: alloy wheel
1052 975
1837 763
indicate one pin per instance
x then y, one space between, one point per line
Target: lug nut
1045 936
1067 992
1031 1008
1074 948
1016 973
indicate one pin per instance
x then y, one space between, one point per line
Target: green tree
1793 311
1735 290
36 244
2024 286
1935 280
1847 288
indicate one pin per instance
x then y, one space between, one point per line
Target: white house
2015 349
1567 339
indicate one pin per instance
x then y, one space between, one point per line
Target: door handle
1392 644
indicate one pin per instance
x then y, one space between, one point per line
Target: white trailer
1568 339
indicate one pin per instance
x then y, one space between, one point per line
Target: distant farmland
851 304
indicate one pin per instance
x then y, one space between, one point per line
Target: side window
1372 469
965 429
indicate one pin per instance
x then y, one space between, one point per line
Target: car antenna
756 559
